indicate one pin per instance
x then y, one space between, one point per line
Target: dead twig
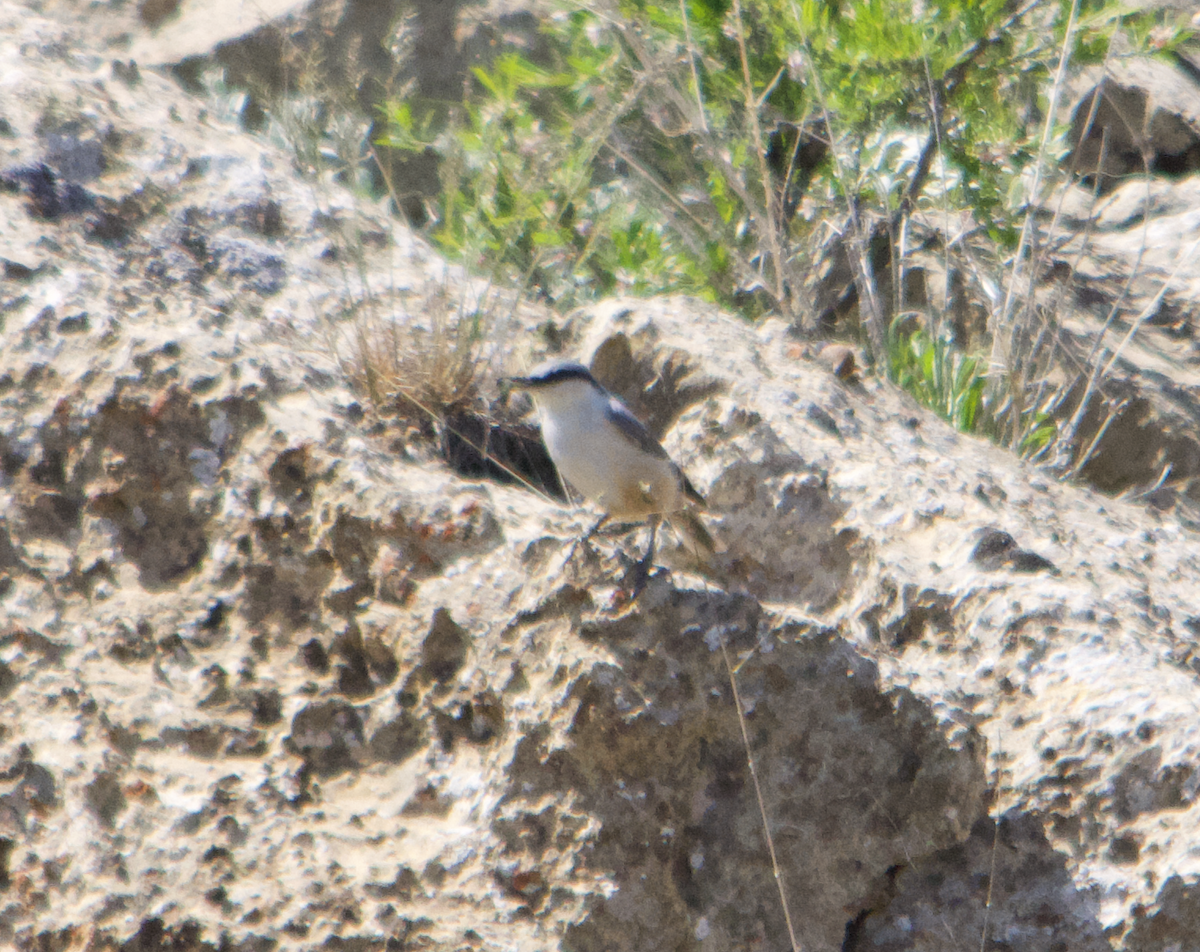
762 806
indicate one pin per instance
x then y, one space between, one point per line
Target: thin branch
1153 306
1095 443
864 280
1005 314
746 270
987 905
1157 485
766 93
940 92
687 32
1093 378
1004 323
760 152
762 806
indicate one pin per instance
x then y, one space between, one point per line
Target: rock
1135 431
274 674
48 196
996 549
1144 116
328 737
840 360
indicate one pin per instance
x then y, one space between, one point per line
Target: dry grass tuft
420 367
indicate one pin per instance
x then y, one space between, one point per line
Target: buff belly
624 481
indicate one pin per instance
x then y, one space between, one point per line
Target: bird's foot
641 571
640 576
583 542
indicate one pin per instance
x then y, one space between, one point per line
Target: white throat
572 402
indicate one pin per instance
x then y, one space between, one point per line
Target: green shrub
949 382
737 149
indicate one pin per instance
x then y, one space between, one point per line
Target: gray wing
631 428
689 490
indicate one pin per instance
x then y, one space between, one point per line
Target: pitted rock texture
272 677
657 758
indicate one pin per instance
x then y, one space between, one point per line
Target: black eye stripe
560 373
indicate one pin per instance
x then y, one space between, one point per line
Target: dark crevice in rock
479 448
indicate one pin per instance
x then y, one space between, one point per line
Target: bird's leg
642 571
585 538
596 528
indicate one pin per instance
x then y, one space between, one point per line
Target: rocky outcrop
273 676
1135 115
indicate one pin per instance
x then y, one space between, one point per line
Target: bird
608 455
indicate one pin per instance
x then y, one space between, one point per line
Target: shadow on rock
859 785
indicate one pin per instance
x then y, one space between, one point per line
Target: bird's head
559 383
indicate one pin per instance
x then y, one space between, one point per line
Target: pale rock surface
273 678
1123 263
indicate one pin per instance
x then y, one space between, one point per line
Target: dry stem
762 806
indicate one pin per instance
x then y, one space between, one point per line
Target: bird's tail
689 490
687 522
